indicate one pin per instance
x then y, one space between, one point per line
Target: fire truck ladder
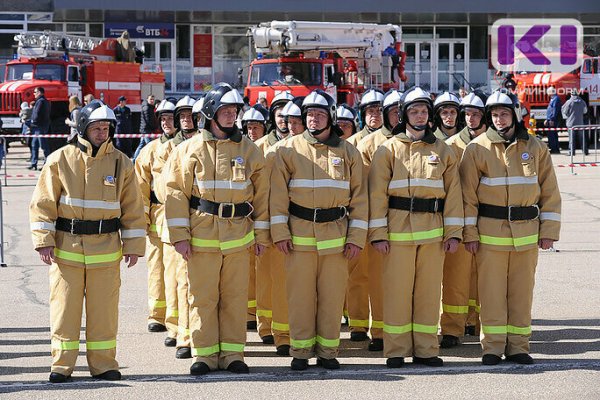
41 45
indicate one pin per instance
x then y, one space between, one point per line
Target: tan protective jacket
425 169
222 171
370 143
358 136
143 170
265 142
516 174
459 142
75 185
318 175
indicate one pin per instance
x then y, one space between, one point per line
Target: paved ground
565 342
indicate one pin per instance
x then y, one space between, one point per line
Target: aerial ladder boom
50 44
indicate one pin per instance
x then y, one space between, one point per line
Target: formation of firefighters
297 218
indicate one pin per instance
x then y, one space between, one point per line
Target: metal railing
583 130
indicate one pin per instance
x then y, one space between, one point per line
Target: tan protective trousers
183 307
68 288
376 291
171 258
316 286
252 287
279 301
456 285
505 281
218 303
473 317
412 285
157 305
264 311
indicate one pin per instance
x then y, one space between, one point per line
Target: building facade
197 45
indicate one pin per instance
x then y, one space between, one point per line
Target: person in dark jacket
124 126
573 112
553 113
147 123
40 125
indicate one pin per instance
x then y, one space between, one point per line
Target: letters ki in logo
537 45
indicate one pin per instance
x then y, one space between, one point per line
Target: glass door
451 66
418 64
158 57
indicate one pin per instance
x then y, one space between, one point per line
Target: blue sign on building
141 30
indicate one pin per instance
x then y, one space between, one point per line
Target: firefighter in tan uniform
370 115
445 116
346 120
254 126
318 205
293 116
154 211
216 208
176 284
371 261
415 216
86 214
459 267
512 207
264 307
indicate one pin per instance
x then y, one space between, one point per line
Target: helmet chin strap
448 126
286 130
504 131
418 128
229 131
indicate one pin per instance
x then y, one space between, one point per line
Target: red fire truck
343 59
67 65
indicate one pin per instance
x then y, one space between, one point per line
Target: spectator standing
40 125
573 112
553 113
74 107
123 115
147 123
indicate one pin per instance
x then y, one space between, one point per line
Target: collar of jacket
86 147
429 137
441 135
272 137
520 133
333 140
165 138
386 132
464 135
236 137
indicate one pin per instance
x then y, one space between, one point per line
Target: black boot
238 367
376 345
358 336
395 362
183 352
429 361
55 377
299 364
251 325
449 341
170 342
112 375
283 350
199 368
490 359
521 358
470 330
156 327
328 363
269 339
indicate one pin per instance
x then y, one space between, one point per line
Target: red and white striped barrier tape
62 135
576 165
21 176
577 128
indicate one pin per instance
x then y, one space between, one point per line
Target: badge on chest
433 159
109 180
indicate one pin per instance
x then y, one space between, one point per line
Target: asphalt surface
565 341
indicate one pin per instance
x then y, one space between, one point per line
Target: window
19 71
50 72
291 74
73 74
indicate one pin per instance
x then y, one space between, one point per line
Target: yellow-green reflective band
183 331
172 313
494 330
473 303
518 330
432 329
502 241
455 309
345 313
303 344
231 244
411 236
238 348
70 345
360 323
304 241
397 329
331 243
157 304
264 313
205 351
278 326
153 228
377 324
95 259
204 242
328 342
251 303
103 345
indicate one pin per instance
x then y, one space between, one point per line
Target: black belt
317 214
222 210
510 213
84 227
153 198
415 204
